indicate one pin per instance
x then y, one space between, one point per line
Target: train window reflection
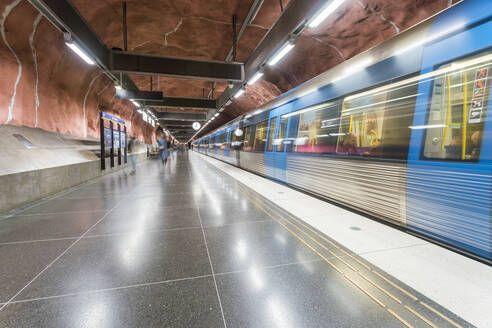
260 136
271 132
237 139
248 138
457 112
376 123
316 129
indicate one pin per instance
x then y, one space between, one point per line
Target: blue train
400 132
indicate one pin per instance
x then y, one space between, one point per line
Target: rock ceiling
203 29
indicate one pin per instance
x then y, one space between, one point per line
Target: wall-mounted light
282 52
324 12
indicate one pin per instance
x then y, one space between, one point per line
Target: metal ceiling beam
138 95
181 116
183 103
174 123
64 15
133 63
291 20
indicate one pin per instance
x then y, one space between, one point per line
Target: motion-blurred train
401 132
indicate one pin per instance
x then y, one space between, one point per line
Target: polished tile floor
174 246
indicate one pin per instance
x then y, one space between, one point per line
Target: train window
260 136
457 110
317 129
248 137
271 132
282 131
375 123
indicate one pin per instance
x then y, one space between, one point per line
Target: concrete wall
51 163
22 188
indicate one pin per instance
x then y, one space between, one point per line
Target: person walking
132 150
163 146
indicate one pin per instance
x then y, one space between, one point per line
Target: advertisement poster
107 138
116 138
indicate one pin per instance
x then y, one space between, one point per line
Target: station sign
110 117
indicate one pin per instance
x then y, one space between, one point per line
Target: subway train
400 132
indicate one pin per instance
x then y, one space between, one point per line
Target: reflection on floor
182 246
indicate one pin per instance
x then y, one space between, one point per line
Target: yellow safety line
400 318
427 321
374 298
440 314
380 288
465 116
448 111
246 194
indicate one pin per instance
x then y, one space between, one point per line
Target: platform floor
188 245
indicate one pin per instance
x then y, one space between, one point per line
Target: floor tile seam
116 234
268 267
238 223
209 258
57 258
58 213
36 241
377 251
93 291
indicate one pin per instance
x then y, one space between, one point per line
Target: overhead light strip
326 11
75 48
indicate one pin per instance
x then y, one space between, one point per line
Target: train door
227 145
269 153
449 166
279 149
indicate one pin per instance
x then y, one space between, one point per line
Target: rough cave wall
43 84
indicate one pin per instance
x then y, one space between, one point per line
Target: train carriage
400 132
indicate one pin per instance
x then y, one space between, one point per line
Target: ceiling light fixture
326 11
239 93
255 77
284 50
75 48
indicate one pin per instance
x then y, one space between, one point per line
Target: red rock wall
44 84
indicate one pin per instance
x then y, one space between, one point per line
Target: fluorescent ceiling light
216 114
324 13
135 103
281 53
239 93
432 126
255 78
75 48
118 87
